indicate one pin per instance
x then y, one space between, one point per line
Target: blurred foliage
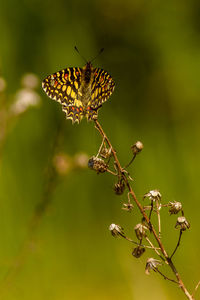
152 50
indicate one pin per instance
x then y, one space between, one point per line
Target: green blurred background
152 50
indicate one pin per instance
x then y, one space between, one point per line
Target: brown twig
140 207
165 277
178 244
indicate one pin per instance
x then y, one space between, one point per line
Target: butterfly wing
101 89
63 86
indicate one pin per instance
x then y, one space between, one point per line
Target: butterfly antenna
80 54
101 50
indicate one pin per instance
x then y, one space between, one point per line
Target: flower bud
138 251
97 164
182 223
175 207
115 230
137 147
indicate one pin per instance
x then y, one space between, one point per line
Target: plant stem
140 207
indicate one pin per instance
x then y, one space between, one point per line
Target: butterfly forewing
63 86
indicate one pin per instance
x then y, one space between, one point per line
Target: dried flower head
140 231
127 206
115 230
138 251
153 195
175 207
105 152
119 187
182 223
137 147
97 164
152 264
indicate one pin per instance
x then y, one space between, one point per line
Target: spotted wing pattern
81 91
101 89
63 86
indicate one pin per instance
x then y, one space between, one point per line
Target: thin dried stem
138 244
131 161
178 244
158 215
155 249
140 207
165 277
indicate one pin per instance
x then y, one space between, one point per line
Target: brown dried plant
147 234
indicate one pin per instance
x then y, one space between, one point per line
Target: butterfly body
81 91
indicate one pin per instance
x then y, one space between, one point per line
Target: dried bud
140 231
137 147
119 187
138 251
182 223
115 230
153 195
152 264
106 153
127 207
97 164
175 207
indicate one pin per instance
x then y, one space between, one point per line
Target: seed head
138 251
153 195
140 231
115 230
182 223
119 187
97 164
152 264
175 207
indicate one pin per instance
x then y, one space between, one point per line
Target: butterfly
80 91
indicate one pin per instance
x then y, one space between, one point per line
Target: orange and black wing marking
102 87
63 86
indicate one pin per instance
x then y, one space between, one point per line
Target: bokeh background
54 213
